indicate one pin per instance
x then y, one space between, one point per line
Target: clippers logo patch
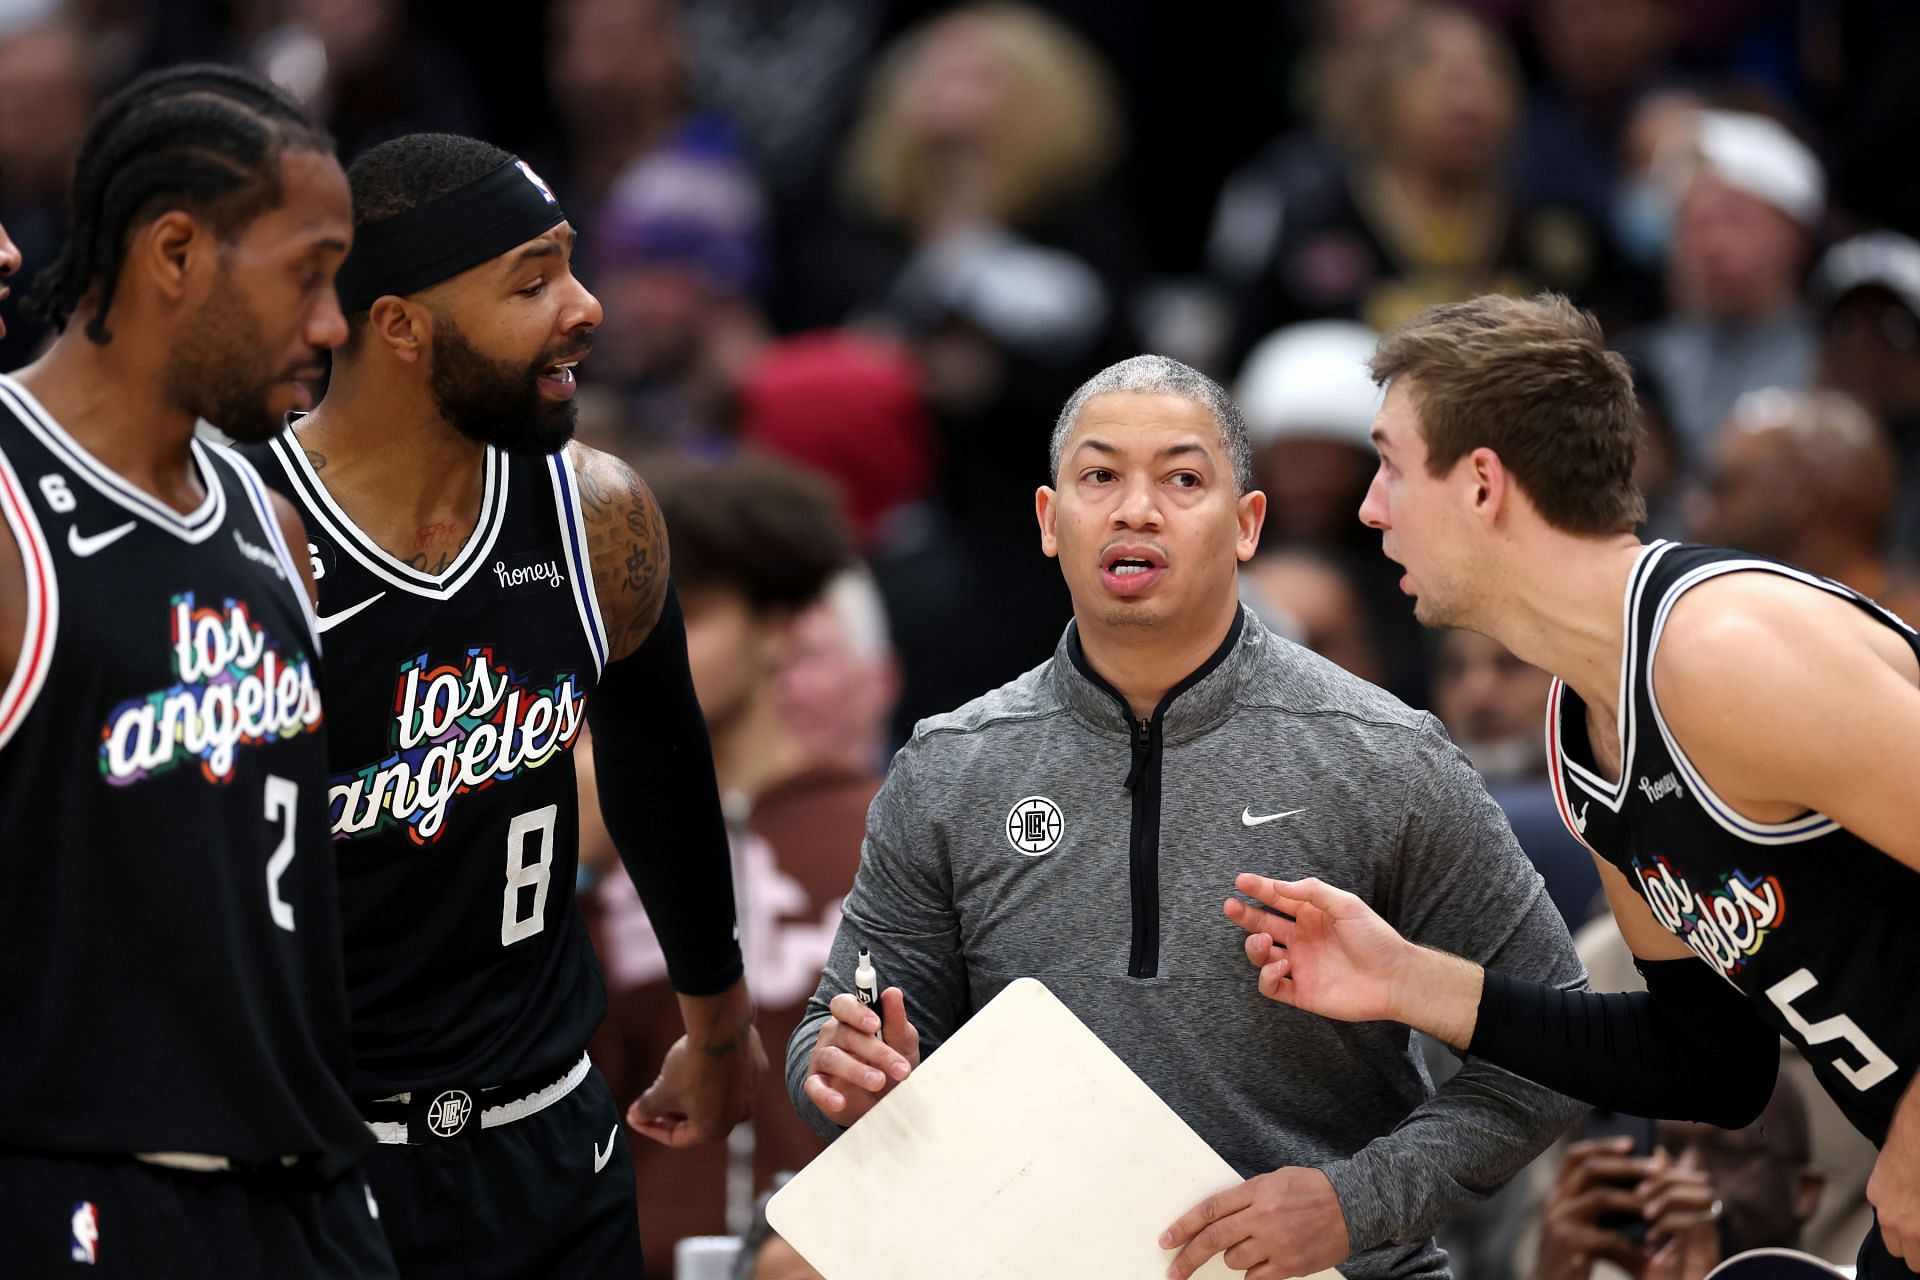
1034 826
456 729
536 180
85 1239
232 689
447 1114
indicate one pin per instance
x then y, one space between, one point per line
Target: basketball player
1737 742
486 590
9 263
174 1023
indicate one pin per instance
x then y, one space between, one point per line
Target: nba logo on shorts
86 1233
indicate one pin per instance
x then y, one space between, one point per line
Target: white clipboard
1022 1148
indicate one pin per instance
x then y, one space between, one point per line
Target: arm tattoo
732 1042
627 545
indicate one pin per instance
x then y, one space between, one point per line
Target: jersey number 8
522 874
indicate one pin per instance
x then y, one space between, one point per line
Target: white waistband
196 1161
394 1132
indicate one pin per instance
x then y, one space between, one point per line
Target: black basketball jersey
1813 924
170 975
453 704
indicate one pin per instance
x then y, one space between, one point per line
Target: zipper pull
1142 745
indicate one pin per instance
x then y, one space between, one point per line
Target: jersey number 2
1875 1065
283 801
521 874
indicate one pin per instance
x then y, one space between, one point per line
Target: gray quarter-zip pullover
1041 830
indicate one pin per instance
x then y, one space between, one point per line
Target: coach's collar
1193 706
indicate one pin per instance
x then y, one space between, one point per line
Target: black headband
447 235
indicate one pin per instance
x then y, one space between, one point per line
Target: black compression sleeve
1687 1048
654 765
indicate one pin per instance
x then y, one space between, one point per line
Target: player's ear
1251 513
403 328
1491 483
1045 502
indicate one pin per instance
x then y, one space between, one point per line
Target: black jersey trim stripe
43 604
1808 826
196 526
256 489
327 514
566 496
1626 723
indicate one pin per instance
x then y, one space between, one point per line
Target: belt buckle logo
447 1114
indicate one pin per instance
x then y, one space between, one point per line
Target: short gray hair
1158 375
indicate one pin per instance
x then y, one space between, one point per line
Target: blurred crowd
854 254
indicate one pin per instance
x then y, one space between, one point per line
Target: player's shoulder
613 495
626 545
601 468
1759 642
1712 630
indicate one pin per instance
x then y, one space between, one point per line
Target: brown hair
1531 379
752 522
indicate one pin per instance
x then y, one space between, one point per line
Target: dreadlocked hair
199 137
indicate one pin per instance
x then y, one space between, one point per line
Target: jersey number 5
522 874
1875 1065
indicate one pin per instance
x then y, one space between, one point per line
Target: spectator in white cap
1867 293
1747 224
1309 403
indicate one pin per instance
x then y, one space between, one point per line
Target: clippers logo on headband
536 180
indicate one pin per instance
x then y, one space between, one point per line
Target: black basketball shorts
99 1217
549 1195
